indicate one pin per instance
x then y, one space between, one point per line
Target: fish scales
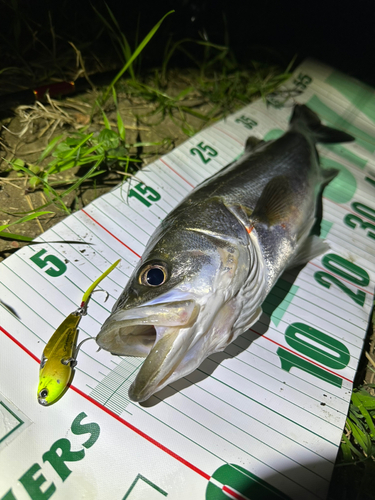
209 266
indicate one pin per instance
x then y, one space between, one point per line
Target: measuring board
261 420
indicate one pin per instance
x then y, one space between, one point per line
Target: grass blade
12 236
50 147
137 51
24 219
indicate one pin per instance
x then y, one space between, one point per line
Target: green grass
354 475
27 218
217 84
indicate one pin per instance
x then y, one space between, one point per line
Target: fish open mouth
157 332
136 340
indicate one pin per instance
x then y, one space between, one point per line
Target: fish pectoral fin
311 248
252 142
275 202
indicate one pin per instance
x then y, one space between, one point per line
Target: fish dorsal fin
252 143
274 203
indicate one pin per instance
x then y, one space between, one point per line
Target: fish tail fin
304 117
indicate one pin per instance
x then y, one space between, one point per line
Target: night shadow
310 478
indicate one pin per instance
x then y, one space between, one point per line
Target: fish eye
153 275
43 393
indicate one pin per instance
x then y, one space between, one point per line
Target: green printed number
353 221
240 480
153 486
302 81
304 339
370 181
150 195
346 270
204 152
58 267
314 344
247 122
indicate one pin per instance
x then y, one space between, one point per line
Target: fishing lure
60 354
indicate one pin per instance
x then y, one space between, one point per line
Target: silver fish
211 263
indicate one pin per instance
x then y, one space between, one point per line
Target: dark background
339 33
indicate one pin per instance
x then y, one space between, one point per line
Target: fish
210 264
59 358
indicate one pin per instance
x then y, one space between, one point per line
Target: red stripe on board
117 417
302 357
142 434
109 232
229 135
233 493
20 345
173 170
341 278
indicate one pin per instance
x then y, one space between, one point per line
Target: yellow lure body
59 356
54 376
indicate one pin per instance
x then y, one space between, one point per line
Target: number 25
201 149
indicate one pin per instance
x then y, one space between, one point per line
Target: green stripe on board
340 150
273 134
280 310
325 227
343 187
362 138
360 95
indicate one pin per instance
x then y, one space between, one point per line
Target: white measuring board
263 419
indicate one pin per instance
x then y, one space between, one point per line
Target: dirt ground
26 135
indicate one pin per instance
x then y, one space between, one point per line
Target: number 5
61 267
